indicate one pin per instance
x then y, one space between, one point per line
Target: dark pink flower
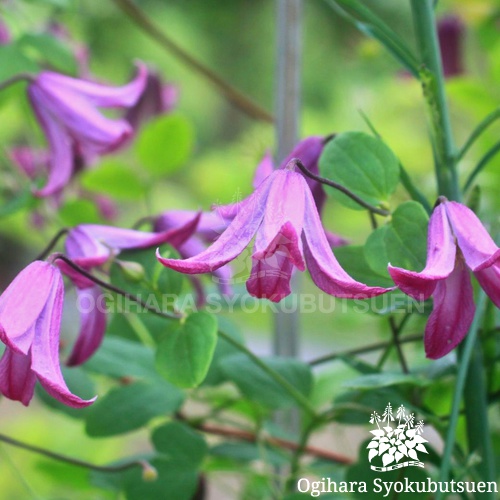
457 240
451 35
156 99
30 321
90 246
283 217
67 109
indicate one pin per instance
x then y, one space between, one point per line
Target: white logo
393 443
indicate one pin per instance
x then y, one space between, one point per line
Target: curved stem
363 350
339 187
52 243
75 461
15 79
233 95
300 399
112 288
482 163
483 125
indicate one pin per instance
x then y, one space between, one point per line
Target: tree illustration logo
396 441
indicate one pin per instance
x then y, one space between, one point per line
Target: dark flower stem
233 95
52 243
363 350
21 77
395 330
75 461
115 289
339 187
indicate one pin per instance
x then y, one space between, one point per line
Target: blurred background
345 76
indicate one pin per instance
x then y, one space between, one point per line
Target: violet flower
90 246
282 215
30 321
451 33
456 240
5 37
210 226
67 111
156 99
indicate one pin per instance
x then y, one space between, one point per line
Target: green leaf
79 383
49 49
353 260
406 240
180 443
363 164
23 199
114 178
174 482
258 386
223 349
185 352
249 452
165 144
13 62
75 212
118 357
130 407
375 251
378 380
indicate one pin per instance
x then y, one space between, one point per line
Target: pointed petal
17 381
45 349
323 267
335 240
231 242
284 218
264 169
452 315
95 132
441 251
22 303
477 246
308 152
489 279
92 326
270 277
60 146
99 95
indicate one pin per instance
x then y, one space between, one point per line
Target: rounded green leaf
185 352
165 144
130 407
258 386
180 443
361 163
113 178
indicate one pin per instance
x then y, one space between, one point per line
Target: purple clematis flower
67 111
5 36
282 215
210 226
156 99
456 240
30 321
90 246
451 32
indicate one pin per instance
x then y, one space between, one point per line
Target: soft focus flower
30 321
67 111
210 226
5 37
90 246
283 217
451 34
456 240
156 99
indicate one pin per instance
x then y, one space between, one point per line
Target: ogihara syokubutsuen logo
397 440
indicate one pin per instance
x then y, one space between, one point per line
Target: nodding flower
456 243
